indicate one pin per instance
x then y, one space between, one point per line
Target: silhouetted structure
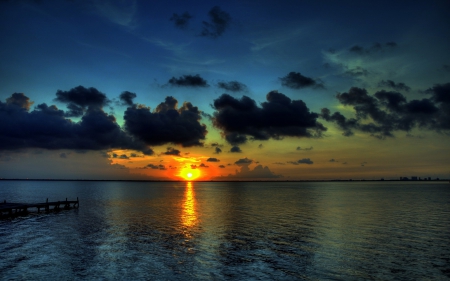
14 209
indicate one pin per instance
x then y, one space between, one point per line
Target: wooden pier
15 209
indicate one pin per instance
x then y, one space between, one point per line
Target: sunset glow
235 95
189 216
189 174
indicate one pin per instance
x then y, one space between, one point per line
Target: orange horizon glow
189 174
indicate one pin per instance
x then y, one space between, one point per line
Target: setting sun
189 174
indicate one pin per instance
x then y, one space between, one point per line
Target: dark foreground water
226 231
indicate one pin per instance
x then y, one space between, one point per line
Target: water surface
226 231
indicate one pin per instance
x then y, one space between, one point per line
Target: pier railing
14 209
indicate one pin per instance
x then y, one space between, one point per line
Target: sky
224 90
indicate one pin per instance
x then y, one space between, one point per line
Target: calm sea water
229 231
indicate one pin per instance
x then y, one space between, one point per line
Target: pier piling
14 209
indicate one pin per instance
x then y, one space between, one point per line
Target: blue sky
329 46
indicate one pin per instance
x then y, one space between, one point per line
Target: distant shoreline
335 180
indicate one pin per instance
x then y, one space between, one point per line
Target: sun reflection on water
189 216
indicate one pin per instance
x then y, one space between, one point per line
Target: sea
359 230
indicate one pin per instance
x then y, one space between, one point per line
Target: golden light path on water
189 216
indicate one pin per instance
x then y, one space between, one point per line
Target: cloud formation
127 98
302 161
277 118
212 159
395 86
386 112
376 47
295 80
235 149
156 167
259 172
47 126
20 100
233 86
166 124
219 22
172 151
181 21
243 161
79 99
306 148
188 81
356 72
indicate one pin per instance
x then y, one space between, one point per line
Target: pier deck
14 209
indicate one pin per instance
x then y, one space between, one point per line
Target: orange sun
189 174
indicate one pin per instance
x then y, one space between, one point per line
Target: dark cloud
258 172
235 149
332 160
202 165
278 117
118 166
233 86
440 93
20 100
295 80
385 112
243 161
166 124
188 81
307 148
357 49
151 166
302 161
124 156
260 146
181 21
172 151
127 98
211 159
156 167
219 22
391 44
79 99
46 127
217 150
221 166
396 86
376 47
